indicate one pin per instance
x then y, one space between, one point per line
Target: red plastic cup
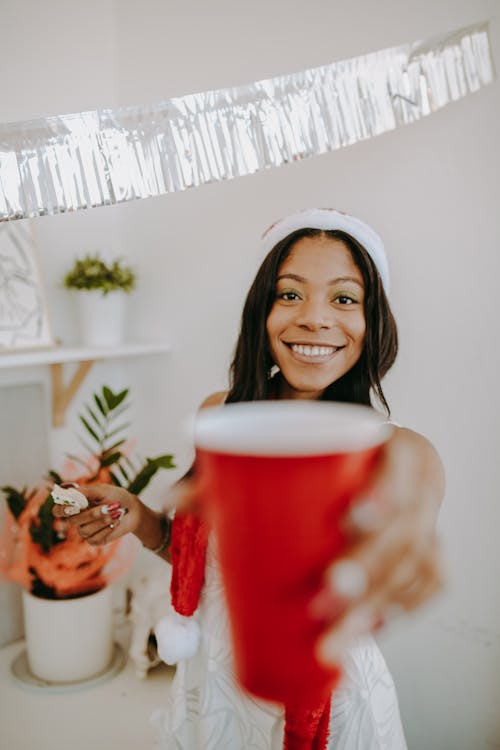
277 477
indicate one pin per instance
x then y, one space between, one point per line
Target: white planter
101 317
69 640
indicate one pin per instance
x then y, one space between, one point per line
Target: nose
314 315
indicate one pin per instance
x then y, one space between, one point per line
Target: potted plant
100 291
66 580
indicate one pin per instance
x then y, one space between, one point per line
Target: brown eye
288 296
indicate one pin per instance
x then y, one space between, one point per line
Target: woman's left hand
392 560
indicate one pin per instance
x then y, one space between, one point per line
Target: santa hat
330 218
178 636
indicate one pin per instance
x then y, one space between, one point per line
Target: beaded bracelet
166 535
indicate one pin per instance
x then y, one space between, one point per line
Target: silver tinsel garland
58 164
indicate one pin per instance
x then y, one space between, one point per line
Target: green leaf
100 405
108 396
113 399
43 533
115 479
117 430
93 415
112 447
111 459
15 500
119 411
78 460
142 479
90 430
92 272
57 478
119 397
123 472
129 462
164 462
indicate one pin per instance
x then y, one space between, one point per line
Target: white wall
432 192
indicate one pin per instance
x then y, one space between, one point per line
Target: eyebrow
302 280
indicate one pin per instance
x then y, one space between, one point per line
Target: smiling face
316 326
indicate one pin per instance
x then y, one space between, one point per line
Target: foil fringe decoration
58 164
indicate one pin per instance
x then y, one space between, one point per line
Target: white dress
207 710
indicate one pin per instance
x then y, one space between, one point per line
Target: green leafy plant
51 559
100 421
91 272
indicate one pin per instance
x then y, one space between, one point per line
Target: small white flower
69 497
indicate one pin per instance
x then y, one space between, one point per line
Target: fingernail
348 579
105 509
70 510
66 485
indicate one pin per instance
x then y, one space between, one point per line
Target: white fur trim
177 638
329 218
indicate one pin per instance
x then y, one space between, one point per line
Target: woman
316 325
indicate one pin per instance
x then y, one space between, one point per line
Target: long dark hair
249 373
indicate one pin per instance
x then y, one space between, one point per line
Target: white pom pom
177 638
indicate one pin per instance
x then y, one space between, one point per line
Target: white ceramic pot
69 640
101 317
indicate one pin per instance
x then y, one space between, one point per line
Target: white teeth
313 351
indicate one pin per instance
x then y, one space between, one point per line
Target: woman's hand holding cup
392 562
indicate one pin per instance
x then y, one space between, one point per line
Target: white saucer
22 675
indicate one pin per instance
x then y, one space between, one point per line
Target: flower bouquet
45 554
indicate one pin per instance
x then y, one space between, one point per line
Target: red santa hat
306 726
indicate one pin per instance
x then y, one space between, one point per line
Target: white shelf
85 356
61 354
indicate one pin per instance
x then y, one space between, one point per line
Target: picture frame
24 319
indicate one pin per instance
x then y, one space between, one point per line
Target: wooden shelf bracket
84 357
62 394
